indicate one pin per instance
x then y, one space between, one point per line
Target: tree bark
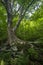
9 22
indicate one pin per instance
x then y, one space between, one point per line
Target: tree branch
22 16
16 12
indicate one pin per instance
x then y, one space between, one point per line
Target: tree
13 11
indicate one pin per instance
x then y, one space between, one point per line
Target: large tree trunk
9 21
11 34
9 29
